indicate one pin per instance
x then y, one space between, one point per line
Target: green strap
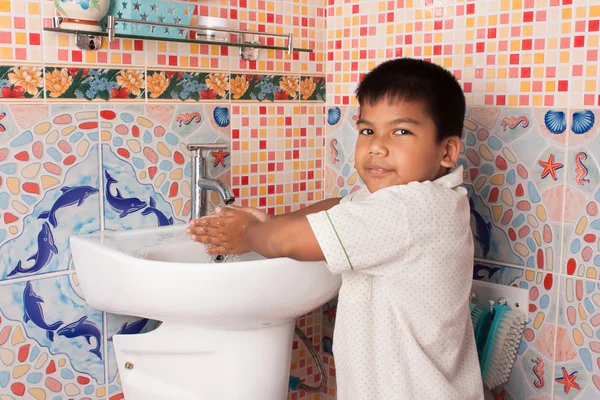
340 240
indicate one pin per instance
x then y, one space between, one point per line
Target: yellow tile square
567 13
33 8
6 53
502 73
127 44
5 6
565 57
550 86
115 58
590 70
20 38
590 86
513 100
90 57
525 86
580 12
594 11
5 21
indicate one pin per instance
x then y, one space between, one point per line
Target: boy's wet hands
223 233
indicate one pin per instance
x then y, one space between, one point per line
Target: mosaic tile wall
76 125
529 70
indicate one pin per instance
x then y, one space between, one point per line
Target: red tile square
19 23
76 56
21 53
34 39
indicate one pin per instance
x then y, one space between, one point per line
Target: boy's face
397 144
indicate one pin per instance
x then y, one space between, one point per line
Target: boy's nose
378 147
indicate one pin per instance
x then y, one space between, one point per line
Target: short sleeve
363 234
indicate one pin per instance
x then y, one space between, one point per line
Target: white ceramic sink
233 317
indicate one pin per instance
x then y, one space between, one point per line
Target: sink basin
219 317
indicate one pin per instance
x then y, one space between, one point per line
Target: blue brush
502 344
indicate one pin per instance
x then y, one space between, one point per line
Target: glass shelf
180 40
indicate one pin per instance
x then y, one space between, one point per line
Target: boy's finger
200 238
216 250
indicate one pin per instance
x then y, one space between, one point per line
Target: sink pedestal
179 361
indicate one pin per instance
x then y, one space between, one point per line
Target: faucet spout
201 184
217 186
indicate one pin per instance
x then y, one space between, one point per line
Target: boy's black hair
413 80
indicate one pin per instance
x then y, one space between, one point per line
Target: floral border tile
94 84
24 82
264 87
181 85
312 88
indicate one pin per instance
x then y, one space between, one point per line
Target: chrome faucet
201 184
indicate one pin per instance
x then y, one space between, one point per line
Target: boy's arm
285 236
313 208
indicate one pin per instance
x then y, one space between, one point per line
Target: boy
403 243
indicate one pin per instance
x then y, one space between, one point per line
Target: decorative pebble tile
41 379
153 160
514 178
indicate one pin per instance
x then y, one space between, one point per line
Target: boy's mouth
376 170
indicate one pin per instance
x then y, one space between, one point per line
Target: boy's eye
401 132
365 132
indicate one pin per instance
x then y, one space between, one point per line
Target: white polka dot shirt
403 329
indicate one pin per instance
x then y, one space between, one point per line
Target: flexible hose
323 381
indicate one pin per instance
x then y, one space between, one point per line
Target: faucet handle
192 147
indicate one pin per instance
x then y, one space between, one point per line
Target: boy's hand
225 231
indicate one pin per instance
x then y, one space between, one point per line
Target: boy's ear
450 151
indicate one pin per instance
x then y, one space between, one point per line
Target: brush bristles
476 316
504 348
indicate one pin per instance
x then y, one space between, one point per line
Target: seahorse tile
582 223
341 177
54 334
510 172
44 180
577 372
531 375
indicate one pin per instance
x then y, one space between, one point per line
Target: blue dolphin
33 311
162 218
46 248
120 204
131 328
483 229
70 196
84 328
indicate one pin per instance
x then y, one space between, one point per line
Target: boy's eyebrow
394 122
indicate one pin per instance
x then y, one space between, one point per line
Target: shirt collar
452 179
